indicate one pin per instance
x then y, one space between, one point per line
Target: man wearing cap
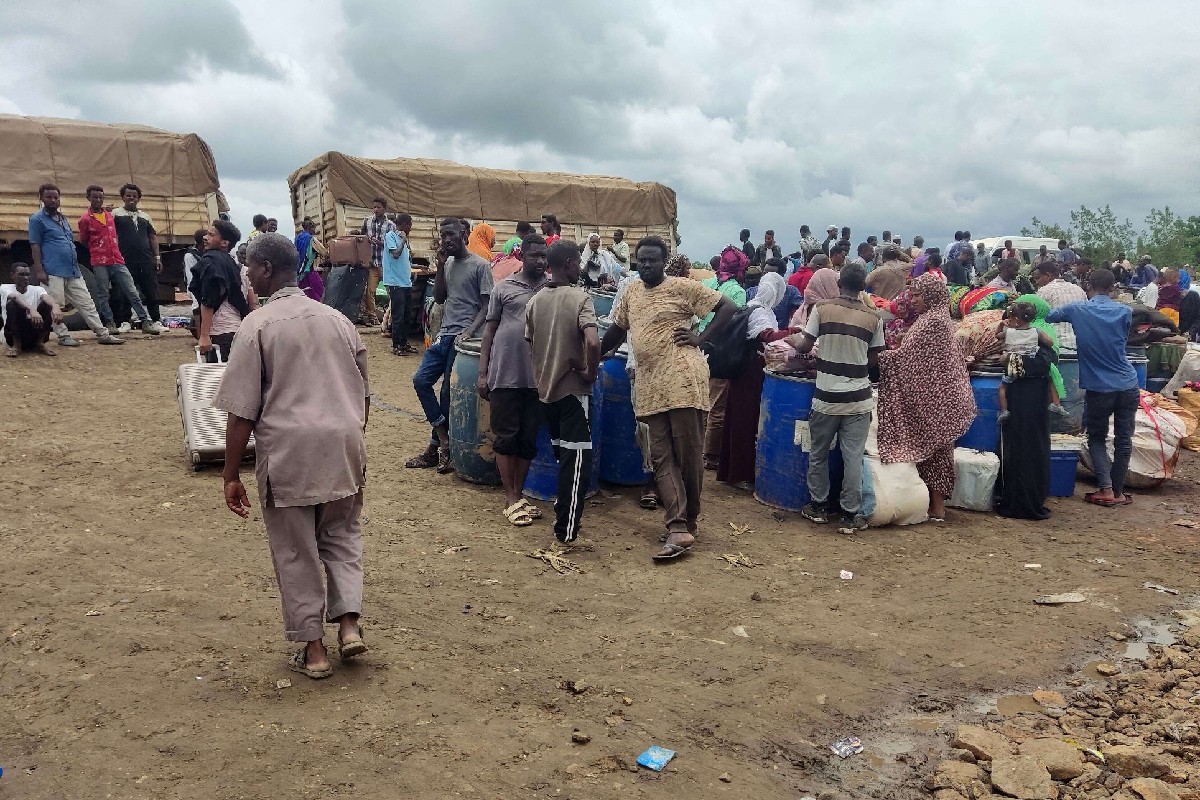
831 235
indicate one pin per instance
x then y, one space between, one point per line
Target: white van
1027 246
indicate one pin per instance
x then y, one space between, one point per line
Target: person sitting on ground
560 326
29 312
217 284
849 338
889 279
1109 381
672 381
507 380
1022 340
314 446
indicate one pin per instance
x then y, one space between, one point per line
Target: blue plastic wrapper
656 758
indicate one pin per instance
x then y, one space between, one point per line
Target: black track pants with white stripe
569 421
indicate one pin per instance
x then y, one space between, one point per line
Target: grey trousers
105 275
305 539
851 432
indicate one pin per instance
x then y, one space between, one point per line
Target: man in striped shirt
848 336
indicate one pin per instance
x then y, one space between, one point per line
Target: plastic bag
1188 370
900 495
975 474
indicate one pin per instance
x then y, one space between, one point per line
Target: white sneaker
125 327
158 328
152 328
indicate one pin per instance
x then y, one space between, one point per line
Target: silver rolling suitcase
203 425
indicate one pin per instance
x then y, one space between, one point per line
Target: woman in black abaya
1025 442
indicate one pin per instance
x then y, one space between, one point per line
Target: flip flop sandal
649 501
1128 501
671 551
299 663
1090 497
533 510
354 647
444 467
518 515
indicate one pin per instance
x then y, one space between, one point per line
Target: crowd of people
888 336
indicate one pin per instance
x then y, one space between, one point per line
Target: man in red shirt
98 233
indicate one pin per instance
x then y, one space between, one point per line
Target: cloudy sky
921 116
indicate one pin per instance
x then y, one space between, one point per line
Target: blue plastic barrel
1142 367
781 465
1068 366
542 481
470 427
621 458
602 302
984 433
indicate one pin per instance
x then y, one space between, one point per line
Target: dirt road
142 639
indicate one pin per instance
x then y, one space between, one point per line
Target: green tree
1099 235
1041 230
1171 241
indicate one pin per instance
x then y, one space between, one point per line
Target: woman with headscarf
736 463
822 286
481 240
311 253
1024 481
925 398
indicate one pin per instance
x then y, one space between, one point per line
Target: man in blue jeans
1102 327
463 285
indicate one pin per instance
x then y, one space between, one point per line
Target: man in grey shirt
463 285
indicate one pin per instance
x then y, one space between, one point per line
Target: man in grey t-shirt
463 285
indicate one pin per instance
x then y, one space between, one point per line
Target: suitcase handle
200 356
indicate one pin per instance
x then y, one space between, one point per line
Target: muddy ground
142 639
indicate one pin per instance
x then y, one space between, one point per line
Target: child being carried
1021 340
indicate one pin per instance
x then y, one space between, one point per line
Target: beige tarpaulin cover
73 154
433 188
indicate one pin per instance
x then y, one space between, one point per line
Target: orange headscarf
480 242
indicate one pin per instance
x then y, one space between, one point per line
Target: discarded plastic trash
1159 588
1033 566
847 575
656 758
844 748
1059 599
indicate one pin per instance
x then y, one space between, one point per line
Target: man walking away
98 233
311 461
397 277
672 380
849 339
28 312
1101 327
138 242
560 324
217 285
507 378
56 266
463 285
